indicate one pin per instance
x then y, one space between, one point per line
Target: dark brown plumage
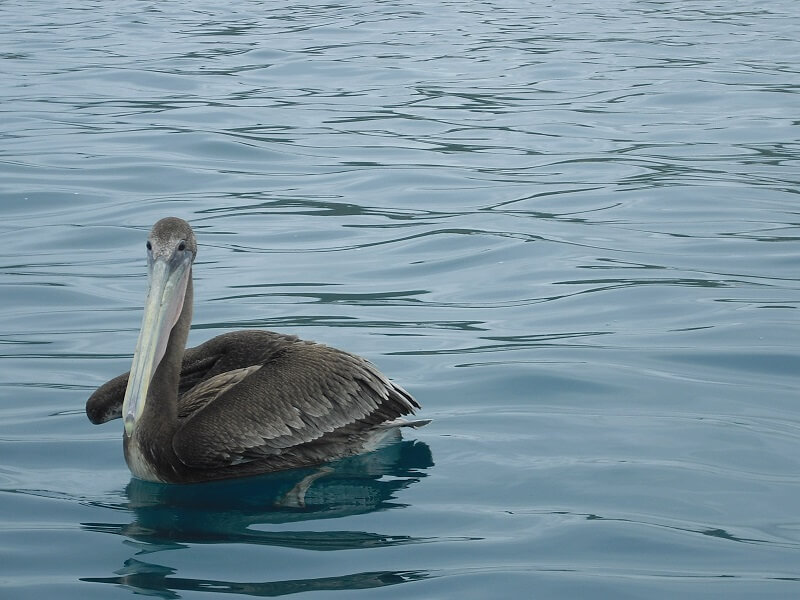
224 353
243 403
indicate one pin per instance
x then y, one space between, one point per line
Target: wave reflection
255 510
156 580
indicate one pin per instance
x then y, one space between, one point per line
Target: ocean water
571 230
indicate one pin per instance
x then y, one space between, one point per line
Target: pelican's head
171 249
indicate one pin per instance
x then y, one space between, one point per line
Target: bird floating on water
242 403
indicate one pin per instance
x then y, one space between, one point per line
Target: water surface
571 231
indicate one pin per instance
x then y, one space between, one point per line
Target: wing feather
219 355
303 395
205 391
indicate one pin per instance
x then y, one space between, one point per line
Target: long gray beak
168 279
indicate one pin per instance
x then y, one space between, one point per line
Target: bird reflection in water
170 517
150 579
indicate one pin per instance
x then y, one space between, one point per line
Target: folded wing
303 397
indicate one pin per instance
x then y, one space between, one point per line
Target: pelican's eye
182 246
149 245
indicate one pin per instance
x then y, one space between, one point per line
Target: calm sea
571 230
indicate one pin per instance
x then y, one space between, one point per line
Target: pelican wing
219 355
105 403
303 397
208 389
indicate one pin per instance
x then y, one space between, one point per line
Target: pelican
242 403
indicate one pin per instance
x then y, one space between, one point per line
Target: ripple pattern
570 229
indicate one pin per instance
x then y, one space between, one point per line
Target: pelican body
242 403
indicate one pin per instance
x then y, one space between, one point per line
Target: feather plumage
242 403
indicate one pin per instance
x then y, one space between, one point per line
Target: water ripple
560 227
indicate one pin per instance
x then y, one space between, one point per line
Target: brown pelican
243 403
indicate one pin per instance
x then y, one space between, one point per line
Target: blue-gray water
571 230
